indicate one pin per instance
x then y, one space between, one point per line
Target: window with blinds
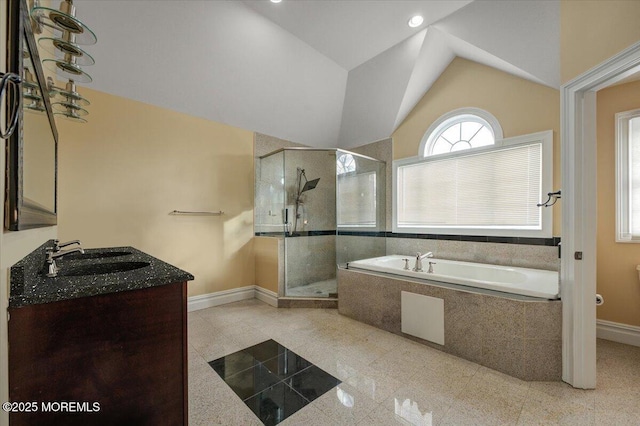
486 191
357 195
628 176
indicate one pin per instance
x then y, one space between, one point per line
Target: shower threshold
320 290
308 302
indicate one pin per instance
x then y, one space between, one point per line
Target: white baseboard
195 303
267 296
204 301
621 333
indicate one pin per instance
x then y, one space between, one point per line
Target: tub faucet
406 264
419 257
52 256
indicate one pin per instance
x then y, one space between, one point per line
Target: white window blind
496 189
628 181
634 184
357 195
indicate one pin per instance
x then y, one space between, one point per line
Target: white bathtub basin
523 281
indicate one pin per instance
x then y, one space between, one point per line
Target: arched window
469 180
345 163
459 130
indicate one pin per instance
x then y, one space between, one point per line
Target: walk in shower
329 207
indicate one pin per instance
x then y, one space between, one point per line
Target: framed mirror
31 175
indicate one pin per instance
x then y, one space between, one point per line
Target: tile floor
388 380
272 380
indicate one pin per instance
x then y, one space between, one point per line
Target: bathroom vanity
107 336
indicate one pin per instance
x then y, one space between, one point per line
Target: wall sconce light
65 35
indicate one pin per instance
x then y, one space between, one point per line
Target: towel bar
179 212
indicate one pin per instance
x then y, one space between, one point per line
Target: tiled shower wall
353 247
310 259
318 206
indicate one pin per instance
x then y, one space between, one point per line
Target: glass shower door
310 261
270 196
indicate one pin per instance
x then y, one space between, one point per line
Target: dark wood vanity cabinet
125 351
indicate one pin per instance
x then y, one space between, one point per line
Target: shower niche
328 207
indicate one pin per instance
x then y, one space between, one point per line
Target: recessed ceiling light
276 1
415 21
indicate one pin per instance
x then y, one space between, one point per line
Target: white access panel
422 316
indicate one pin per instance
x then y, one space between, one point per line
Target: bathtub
521 281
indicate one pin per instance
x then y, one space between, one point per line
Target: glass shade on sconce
71 106
70 116
66 34
34 104
69 57
67 107
32 99
64 20
28 80
31 96
67 70
70 96
64 50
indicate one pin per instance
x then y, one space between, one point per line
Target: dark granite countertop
31 286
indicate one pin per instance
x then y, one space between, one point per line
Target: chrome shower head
309 185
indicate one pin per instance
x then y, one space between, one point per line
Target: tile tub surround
30 286
272 380
521 338
521 255
355 247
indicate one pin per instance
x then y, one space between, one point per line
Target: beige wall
133 163
266 258
520 106
617 278
592 31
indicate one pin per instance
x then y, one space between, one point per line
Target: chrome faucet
58 246
419 257
52 256
406 264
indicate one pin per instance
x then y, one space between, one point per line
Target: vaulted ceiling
325 73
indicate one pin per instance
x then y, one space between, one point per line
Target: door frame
579 213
